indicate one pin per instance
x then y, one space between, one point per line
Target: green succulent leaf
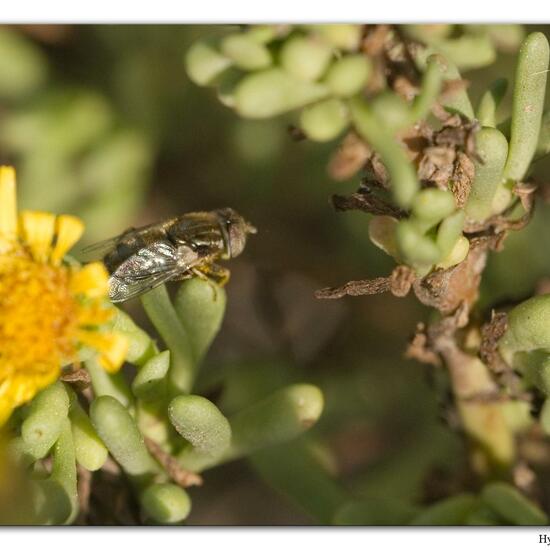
451 511
150 382
200 306
272 92
511 505
90 452
492 148
45 419
529 92
165 503
490 101
201 423
119 432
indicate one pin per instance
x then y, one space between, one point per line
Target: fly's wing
146 269
99 250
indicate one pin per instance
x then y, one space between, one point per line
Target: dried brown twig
398 283
180 475
78 378
366 202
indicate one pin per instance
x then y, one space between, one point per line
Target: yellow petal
113 356
68 231
112 347
6 402
6 408
92 281
37 230
8 204
20 389
94 314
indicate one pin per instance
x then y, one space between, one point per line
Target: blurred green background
101 121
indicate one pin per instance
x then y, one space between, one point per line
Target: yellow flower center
39 320
47 309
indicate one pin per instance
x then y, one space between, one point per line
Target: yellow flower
49 309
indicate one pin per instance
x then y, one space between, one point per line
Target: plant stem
104 383
403 176
160 310
64 467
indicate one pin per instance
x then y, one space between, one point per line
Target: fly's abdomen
127 246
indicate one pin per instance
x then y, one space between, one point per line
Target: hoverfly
182 247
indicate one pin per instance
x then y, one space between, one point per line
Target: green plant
65 133
160 434
444 180
443 184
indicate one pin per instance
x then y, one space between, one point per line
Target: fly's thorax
199 231
186 256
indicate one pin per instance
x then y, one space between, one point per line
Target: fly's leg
201 275
217 273
214 274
